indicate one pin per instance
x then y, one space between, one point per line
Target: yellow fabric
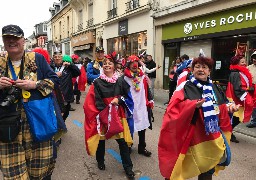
198 159
92 144
239 113
227 134
93 141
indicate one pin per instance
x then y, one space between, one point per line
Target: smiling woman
194 120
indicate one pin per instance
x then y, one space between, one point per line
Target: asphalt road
74 164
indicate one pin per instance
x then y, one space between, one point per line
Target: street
73 163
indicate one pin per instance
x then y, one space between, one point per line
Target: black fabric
235 80
142 140
66 85
10 124
192 92
172 87
77 92
124 152
150 65
104 89
10 111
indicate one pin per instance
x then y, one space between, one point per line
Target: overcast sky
25 13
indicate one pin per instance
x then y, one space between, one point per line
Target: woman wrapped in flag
240 90
196 128
107 91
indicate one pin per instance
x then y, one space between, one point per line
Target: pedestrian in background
94 68
66 70
21 157
252 69
240 91
150 64
80 81
173 77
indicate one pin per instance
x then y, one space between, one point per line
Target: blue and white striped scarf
210 117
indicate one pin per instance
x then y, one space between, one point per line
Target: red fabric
244 70
115 123
184 76
90 111
248 103
73 80
174 131
148 103
178 134
82 80
172 75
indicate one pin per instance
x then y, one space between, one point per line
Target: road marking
79 124
144 178
115 155
118 158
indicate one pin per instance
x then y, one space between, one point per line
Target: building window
60 29
68 26
132 4
113 9
80 20
45 27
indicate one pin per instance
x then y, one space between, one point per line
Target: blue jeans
253 121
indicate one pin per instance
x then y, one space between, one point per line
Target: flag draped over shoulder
240 81
184 149
90 124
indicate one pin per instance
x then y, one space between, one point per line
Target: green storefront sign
239 18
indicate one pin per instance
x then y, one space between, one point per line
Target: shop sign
189 27
123 27
239 18
82 39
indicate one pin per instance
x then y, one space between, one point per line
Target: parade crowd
37 92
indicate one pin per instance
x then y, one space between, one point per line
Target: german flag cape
237 91
184 149
90 124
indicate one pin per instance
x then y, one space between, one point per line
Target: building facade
83 37
41 34
129 28
61 27
221 28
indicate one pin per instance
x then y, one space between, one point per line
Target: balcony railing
80 27
112 13
90 22
133 4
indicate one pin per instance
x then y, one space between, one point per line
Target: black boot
129 173
101 166
233 138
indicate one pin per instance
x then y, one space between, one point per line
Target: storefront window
129 44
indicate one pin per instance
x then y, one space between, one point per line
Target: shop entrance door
170 54
223 50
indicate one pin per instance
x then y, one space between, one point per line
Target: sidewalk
161 96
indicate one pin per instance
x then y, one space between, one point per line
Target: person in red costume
240 91
80 81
